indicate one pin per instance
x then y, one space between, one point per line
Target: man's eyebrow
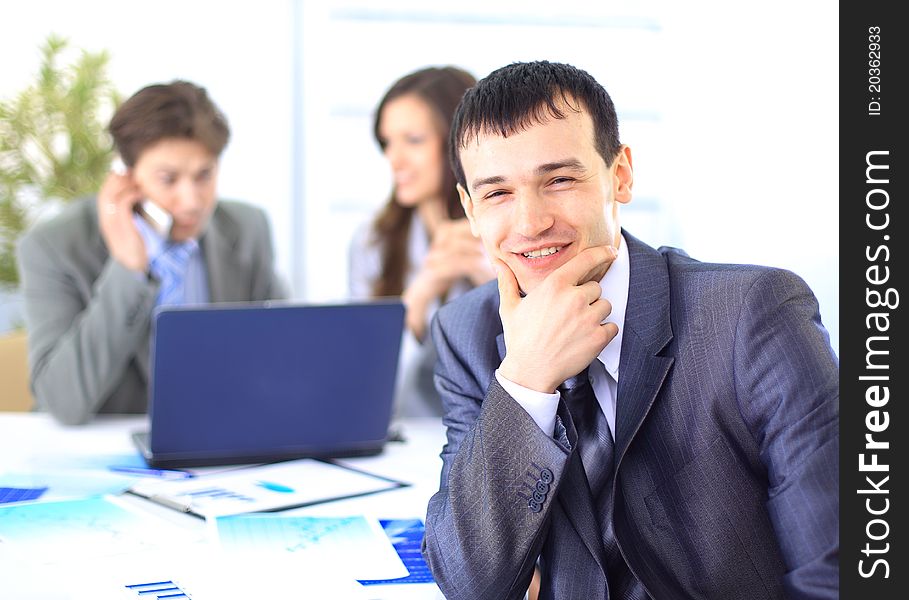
171 168
493 180
572 164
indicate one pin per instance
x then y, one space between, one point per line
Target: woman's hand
453 254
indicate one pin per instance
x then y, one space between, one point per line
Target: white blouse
415 394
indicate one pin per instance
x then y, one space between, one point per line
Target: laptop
251 383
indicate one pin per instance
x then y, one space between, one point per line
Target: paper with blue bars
354 546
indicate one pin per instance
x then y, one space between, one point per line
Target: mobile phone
159 219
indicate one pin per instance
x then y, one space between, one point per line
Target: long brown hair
441 88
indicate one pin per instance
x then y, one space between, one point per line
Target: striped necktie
597 451
170 270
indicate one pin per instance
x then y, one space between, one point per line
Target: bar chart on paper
262 488
406 535
156 590
50 532
16 494
355 546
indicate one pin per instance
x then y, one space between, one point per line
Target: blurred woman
419 246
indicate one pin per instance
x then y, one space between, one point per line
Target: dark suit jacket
726 447
88 317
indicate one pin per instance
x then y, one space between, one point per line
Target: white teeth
541 252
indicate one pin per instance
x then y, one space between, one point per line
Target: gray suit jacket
727 445
88 317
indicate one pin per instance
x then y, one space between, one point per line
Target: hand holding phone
159 219
117 201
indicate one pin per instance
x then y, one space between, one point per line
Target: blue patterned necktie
597 451
170 270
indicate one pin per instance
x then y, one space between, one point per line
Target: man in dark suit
629 422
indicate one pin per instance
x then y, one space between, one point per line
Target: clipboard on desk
264 488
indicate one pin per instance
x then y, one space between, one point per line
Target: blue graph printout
59 485
157 590
52 531
406 536
356 546
19 494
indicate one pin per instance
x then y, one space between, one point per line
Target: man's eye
203 176
562 180
167 180
494 194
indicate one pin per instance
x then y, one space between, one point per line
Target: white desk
27 440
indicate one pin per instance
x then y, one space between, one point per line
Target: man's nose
189 195
532 215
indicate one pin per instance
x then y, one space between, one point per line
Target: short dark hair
179 109
515 97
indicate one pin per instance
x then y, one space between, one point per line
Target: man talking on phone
155 235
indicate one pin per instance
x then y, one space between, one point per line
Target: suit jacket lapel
219 251
648 330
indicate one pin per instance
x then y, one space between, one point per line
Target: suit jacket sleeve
482 539
787 381
78 352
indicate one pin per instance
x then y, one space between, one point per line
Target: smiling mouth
542 252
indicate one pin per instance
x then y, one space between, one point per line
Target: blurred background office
731 111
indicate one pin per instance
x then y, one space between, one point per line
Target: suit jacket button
541 498
534 505
546 476
543 488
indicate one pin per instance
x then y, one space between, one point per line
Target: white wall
731 113
752 129
731 110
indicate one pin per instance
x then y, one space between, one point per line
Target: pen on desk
171 503
162 473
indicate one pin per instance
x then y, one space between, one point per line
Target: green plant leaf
53 139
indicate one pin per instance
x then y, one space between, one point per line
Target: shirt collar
614 287
154 242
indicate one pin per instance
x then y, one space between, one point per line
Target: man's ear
467 203
624 175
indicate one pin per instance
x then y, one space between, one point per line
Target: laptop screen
241 383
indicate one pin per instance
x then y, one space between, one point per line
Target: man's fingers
602 308
589 260
609 331
591 291
509 291
116 192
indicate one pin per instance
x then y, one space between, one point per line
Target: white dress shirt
604 372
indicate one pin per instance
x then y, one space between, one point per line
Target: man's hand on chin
556 330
